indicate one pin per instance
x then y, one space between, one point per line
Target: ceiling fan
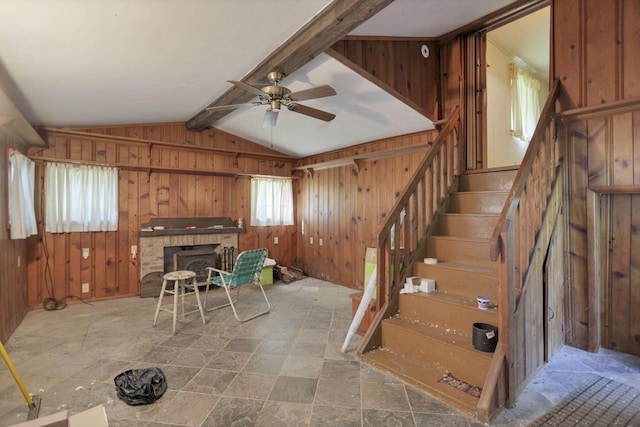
276 96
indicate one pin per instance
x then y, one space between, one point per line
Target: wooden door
620 295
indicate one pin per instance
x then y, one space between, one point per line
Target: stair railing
415 210
514 237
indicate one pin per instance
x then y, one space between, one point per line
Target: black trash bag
140 386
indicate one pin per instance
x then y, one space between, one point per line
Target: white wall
502 149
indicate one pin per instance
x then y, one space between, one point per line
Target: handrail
415 209
525 170
517 231
620 106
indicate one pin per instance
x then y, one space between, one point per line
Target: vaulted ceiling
83 63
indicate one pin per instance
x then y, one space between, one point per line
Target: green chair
246 270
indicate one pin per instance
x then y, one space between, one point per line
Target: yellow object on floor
34 404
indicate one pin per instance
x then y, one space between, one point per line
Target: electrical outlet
320 242
311 240
85 253
134 251
275 240
85 288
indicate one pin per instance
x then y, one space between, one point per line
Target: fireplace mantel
188 226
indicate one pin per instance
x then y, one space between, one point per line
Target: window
22 215
80 198
525 103
271 201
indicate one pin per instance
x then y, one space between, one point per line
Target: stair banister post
507 304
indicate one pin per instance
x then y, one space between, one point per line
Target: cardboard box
370 262
369 314
266 275
94 417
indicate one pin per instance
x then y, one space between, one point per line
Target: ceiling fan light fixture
276 97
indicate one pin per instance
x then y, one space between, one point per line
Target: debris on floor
288 274
454 382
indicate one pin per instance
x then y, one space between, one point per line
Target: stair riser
487 203
502 180
466 364
468 284
467 225
446 315
460 251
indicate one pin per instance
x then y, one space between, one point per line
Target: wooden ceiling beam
325 29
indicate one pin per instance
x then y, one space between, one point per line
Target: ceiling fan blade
225 107
314 92
270 118
248 88
312 112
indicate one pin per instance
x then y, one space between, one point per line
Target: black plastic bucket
485 337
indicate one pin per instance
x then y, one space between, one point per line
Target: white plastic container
483 302
427 285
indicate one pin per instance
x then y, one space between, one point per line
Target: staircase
431 335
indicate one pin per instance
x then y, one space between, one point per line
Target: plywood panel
598 152
400 65
629 12
622 149
601 60
634 279
618 310
578 181
567 52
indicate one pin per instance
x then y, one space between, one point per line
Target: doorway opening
519 49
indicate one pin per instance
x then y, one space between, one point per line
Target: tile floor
281 369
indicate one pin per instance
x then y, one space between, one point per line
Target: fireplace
195 258
217 235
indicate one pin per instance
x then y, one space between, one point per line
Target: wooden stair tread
454 299
480 192
478 214
466 267
423 376
464 239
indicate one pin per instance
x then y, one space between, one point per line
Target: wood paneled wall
595 56
172 189
400 65
601 261
345 206
13 254
452 77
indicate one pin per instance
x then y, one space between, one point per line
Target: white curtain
80 198
271 201
525 103
22 214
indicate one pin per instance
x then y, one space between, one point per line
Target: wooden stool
180 289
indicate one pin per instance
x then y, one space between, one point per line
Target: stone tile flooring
281 369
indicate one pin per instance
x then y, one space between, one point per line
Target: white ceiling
99 62
527 40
